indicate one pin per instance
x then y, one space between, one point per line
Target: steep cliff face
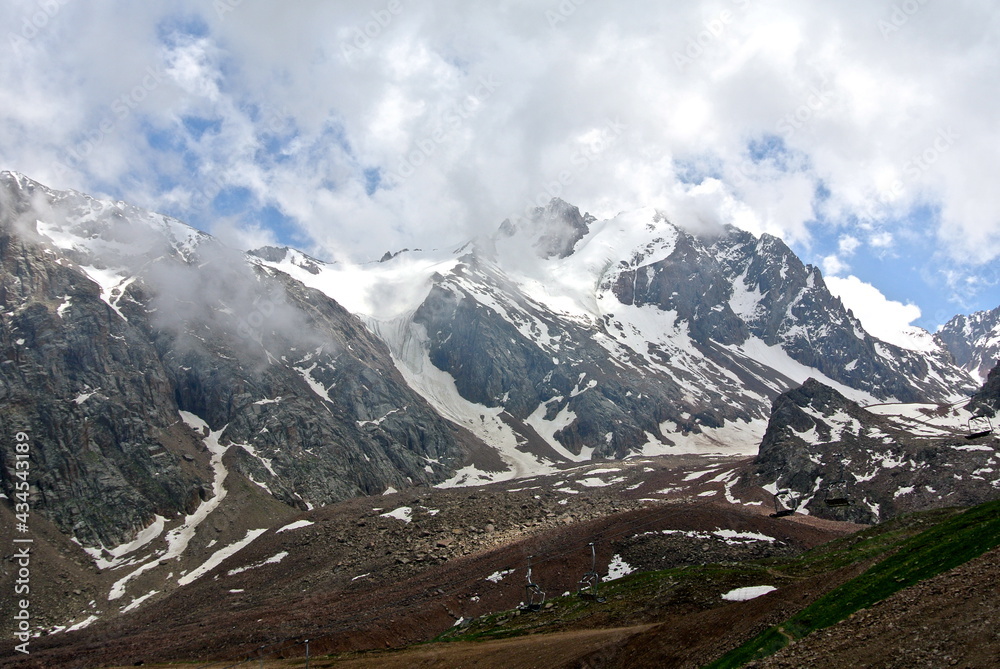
116 320
96 398
986 402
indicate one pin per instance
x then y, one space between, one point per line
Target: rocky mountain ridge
974 341
564 338
831 457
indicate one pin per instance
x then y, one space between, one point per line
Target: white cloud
834 266
881 239
881 317
881 121
848 245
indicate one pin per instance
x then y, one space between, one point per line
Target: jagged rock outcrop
886 460
974 340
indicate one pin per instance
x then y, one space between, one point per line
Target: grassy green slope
943 546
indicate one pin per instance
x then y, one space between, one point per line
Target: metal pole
307 653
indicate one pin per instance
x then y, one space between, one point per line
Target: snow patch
403 513
618 568
298 524
746 594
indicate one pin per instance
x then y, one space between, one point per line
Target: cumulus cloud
834 266
372 126
886 319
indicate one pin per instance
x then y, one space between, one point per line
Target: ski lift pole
532 591
588 586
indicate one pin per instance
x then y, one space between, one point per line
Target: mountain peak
552 231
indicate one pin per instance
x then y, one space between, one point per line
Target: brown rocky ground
356 579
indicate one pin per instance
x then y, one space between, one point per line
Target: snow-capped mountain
974 341
564 338
558 339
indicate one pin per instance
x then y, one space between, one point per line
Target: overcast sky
864 133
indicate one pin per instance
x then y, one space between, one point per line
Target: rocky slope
401 568
948 620
885 460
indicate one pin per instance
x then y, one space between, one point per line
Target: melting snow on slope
81 625
403 513
179 537
118 553
778 359
746 594
274 559
138 601
618 568
595 482
733 438
547 429
928 420
298 524
407 341
498 576
112 284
